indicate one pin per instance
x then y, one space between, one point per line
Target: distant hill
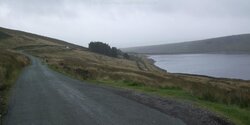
227 44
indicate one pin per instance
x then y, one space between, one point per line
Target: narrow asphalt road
44 97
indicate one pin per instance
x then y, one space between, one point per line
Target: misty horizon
127 23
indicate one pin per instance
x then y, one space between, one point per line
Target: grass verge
5 91
11 64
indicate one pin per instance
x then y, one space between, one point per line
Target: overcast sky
125 23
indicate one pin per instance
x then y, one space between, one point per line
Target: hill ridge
225 44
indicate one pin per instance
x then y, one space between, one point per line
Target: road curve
44 97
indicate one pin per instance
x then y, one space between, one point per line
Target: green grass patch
240 116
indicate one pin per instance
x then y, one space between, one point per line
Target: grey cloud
126 22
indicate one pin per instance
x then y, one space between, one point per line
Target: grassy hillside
227 96
228 44
32 39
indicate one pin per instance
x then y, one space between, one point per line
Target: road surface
44 97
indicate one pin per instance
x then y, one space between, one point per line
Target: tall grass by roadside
11 64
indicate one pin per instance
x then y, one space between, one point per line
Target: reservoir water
216 65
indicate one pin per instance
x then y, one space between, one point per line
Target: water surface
216 65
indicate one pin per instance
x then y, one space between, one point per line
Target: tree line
105 49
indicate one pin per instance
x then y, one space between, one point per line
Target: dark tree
105 49
126 56
100 47
114 52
